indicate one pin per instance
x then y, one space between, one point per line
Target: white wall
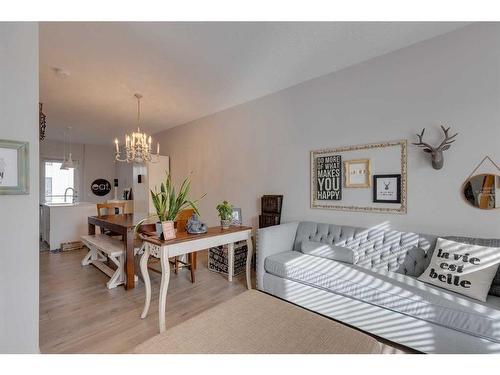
124 174
19 213
263 146
94 161
98 163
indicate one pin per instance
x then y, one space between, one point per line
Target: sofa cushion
415 263
462 268
376 248
491 242
319 249
393 291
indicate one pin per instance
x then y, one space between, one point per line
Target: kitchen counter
65 222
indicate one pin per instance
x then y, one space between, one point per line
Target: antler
447 139
420 141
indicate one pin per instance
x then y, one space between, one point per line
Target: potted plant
168 204
225 213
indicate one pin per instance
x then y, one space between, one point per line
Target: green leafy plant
168 204
225 210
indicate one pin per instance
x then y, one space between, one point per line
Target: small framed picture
14 164
236 220
357 173
387 188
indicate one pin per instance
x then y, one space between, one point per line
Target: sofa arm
273 240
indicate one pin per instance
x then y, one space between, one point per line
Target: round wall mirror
483 191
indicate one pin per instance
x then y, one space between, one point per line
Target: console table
186 243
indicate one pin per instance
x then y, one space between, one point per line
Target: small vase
168 230
225 223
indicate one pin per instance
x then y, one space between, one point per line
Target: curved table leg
165 278
249 261
147 281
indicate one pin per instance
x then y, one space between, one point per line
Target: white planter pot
225 224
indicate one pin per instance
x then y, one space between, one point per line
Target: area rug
256 323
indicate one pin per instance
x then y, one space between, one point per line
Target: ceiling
188 70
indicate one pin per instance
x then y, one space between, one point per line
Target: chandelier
138 144
67 163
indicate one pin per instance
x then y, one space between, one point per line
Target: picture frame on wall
14 167
387 188
236 216
328 176
357 173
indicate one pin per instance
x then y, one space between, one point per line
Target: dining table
120 224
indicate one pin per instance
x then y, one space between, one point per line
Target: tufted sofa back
375 248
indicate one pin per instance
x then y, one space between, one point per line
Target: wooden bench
101 248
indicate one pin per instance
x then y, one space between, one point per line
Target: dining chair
180 224
110 209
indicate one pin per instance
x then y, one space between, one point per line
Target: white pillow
462 268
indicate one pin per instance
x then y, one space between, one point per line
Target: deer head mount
436 152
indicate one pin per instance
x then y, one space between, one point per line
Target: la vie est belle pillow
462 268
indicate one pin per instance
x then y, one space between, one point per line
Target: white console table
186 243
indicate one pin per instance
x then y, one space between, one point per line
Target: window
57 180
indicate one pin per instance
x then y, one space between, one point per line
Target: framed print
387 188
334 170
14 161
236 214
328 174
357 173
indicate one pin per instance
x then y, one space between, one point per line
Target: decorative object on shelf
436 152
225 210
43 121
14 167
328 178
236 216
138 144
270 210
100 187
168 204
387 188
218 259
127 194
195 226
382 156
67 163
483 190
357 173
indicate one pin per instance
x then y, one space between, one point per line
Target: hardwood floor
79 315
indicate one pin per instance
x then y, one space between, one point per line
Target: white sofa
378 294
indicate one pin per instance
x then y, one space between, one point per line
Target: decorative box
218 258
271 210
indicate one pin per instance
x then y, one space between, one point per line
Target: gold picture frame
357 169
400 158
